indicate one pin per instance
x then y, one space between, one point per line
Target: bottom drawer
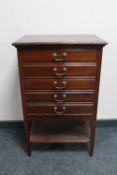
58 109
82 117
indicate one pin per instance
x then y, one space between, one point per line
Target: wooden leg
27 137
92 140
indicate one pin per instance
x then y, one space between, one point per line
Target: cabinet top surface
59 39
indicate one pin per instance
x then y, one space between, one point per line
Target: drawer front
60 96
59 109
36 55
76 69
58 84
77 116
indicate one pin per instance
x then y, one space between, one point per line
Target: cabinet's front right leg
92 139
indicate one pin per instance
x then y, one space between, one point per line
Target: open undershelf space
60 131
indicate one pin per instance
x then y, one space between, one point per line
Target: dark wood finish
31 40
58 71
26 122
59 77
93 122
66 96
79 117
66 108
60 132
36 55
59 84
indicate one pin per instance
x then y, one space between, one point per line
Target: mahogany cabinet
59 77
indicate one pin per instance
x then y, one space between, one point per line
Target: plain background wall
22 17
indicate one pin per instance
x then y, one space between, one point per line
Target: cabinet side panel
21 82
26 122
93 121
99 60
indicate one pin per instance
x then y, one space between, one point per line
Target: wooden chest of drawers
59 78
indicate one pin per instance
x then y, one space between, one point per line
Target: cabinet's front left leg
27 136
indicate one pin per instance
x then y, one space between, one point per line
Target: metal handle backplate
59 100
59 74
59 112
59 87
55 57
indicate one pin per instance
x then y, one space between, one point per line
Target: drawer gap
60 64
67 91
62 78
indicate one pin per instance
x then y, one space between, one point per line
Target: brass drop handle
60 100
64 54
59 112
55 57
54 54
59 87
59 74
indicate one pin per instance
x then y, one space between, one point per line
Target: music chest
59 77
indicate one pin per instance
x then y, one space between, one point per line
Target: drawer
70 69
35 55
38 108
82 117
58 84
80 96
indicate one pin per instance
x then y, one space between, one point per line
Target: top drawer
80 55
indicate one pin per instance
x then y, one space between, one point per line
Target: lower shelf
59 131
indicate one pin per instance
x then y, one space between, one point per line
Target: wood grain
59 71
36 55
48 108
60 132
66 96
59 77
31 40
48 84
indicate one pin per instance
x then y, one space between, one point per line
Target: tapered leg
92 140
27 136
